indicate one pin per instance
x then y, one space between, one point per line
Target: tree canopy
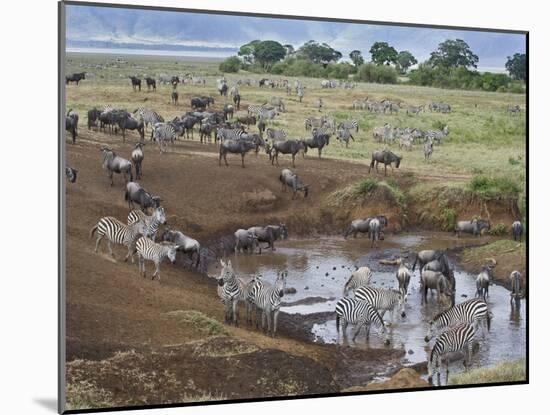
517 66
356 57
319 53
453 54
383 54
268 52
405 60
246 52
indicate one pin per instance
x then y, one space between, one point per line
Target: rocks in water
326 274
290 290
343 266
334 268
410 351
464 295
317 267
306 288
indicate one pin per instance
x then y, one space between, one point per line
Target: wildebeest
245 241
136 194
175 97
269 234
185 244
441 264
386 157
374 231
483 280
318 141
343 135
237 101
287 178
71 124
287 147
474 226
228 111
136 82
436 281
362 225
425 256
517 230
129 123
151 83
75 77
70 174
201 102
93 117
277 102
137 158
515 288
115 164
236 147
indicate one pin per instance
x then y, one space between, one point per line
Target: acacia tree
453 53
405 60
268 52
517 66
246 52
356 57
289 50
319 53
383 54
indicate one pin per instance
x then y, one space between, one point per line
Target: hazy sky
119 25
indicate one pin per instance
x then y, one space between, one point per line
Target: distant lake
215 55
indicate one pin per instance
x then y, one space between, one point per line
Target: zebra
428 149
361 314
268 299
403 276
162 133
70 174
276 135
381 299
148 116
455 339
319 104
152 222
249 290
224 134
300 93
255 109
359 278
267 113
349 125
471 311
344 135
230 292
118 233
147 249
311 122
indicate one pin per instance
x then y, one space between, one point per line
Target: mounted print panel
272 207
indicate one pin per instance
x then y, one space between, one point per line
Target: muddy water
319 268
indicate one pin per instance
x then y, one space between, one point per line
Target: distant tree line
452 65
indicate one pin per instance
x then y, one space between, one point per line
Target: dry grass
501 372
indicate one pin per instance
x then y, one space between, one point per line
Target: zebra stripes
230 292
162 133
381 299
349 125
148 116
147 249
359 278
118 233
361 314
267 298
276 135
471 311
229 134
455 339
151 223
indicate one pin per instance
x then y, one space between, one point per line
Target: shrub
499 229
447 219
381 74
494 187
230 65
365 187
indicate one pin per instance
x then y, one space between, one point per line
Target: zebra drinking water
470 311
118 233
455 339
361 314
147 249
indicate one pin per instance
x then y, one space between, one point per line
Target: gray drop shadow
48 403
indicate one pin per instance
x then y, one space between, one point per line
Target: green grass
513 371
488 188
199 320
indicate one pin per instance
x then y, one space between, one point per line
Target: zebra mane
440 314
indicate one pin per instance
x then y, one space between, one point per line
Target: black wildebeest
236 147
93 117
151 83
474 226
386 157
185 244
136 194
287 147
269 234
137 158
517 230
287 178
136 82
129 123
71 124
115 164
75 77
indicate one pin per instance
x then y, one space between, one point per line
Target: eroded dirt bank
166 337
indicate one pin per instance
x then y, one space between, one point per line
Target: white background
28 290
